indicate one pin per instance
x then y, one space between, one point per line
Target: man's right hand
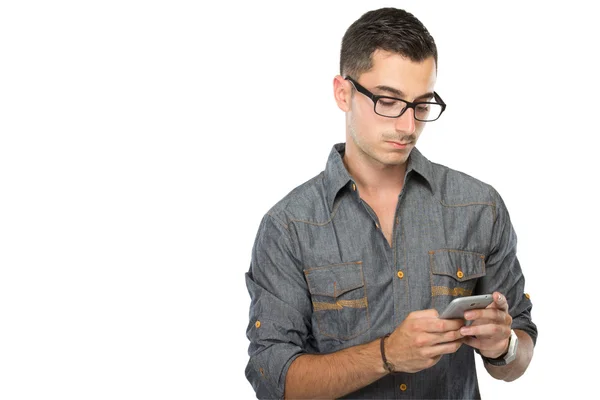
421 339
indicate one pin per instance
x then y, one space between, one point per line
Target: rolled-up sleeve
280 309
503 270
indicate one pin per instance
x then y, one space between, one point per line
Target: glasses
392 107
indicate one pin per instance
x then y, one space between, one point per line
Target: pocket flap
335 280
458 264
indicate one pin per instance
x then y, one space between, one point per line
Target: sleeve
280 309
503 271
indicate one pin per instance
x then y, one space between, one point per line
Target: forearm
336 374
516 368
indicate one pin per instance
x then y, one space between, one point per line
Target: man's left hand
490 329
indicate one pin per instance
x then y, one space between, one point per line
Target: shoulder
457 187
306 202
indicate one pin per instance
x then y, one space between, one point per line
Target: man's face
388 141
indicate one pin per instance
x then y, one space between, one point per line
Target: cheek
419 128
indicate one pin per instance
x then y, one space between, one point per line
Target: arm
334 375
280 325
416 344
280 309
516 368
513 310
490 331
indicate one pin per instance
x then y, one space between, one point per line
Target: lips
398 145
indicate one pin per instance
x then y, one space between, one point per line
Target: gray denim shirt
323 277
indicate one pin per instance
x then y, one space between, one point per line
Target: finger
472 341
430 313
493 315
486 345
446 348
447 337
439 325
487 331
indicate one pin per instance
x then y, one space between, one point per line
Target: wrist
387 366
496 354
508 356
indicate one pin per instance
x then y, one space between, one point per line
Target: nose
406 122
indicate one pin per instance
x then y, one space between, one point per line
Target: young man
350 270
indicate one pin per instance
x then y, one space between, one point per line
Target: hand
421 339
490 329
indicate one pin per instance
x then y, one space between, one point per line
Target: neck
372 177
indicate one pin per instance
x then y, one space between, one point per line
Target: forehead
396 71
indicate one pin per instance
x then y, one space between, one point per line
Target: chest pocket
453 273
339 299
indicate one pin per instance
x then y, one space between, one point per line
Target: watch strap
508 356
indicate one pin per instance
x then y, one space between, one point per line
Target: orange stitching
333 213
446 291
457 251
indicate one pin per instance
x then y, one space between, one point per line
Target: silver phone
456 309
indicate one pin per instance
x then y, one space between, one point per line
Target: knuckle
420 341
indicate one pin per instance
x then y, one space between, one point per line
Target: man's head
390 29
388 52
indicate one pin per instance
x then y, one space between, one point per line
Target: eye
388 102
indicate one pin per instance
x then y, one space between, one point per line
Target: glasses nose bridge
407 105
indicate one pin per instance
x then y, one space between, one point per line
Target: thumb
499 302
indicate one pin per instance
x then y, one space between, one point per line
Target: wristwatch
509 356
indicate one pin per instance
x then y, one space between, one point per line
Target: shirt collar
336 175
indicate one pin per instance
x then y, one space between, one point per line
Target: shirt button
527 295
257 324
354 187
403 387
400 274
460 274
377 225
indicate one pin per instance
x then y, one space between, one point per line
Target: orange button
460 274
262 371
527 295
400 274
403 387
257 324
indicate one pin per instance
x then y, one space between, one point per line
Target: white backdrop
142 142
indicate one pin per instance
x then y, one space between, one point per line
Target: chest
386 212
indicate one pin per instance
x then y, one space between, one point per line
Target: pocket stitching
366 308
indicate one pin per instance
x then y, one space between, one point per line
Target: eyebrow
400 93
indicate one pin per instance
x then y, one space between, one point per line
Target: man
351 269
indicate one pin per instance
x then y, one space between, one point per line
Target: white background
142 142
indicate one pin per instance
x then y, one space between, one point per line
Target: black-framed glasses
392 107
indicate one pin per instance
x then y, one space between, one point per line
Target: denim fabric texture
323 277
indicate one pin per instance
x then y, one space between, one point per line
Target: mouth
399 145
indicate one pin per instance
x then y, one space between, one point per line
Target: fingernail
464 331
468 315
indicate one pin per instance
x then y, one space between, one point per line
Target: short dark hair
388 29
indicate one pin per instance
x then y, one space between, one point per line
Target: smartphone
456 309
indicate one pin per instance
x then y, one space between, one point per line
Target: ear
342 92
